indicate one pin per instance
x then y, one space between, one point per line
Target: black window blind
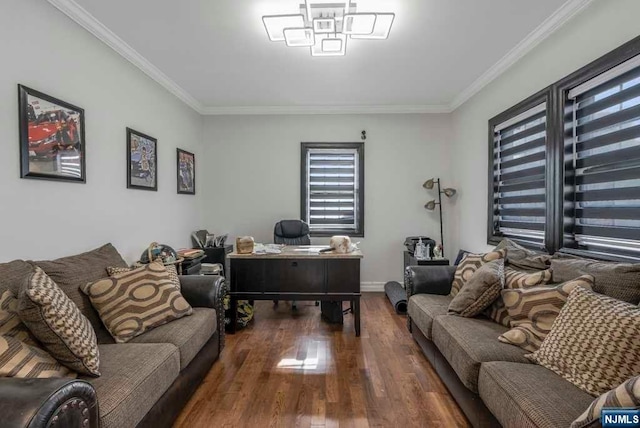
519 160
333 189
602 162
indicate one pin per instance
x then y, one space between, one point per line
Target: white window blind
603 141
332 189
519 173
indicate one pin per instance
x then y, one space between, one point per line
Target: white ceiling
215 54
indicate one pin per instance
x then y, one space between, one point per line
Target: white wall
602 27
44 50
253 176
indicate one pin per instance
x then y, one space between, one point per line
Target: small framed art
52 141
186 168
142 161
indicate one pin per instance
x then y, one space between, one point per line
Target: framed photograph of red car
186 172
142 161
52 142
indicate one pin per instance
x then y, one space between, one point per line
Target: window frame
556 96
543 96
359 214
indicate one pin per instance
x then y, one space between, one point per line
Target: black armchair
291 232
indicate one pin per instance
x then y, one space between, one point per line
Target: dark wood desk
298 273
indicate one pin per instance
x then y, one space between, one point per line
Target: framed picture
142 161
186 172
52 143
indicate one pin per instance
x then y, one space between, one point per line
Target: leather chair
291 232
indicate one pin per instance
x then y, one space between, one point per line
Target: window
564 165
517 165
602 163
332 188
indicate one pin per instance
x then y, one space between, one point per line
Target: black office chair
291 232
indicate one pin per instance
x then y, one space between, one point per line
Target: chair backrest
291 232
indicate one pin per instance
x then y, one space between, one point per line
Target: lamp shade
449 192
429 183
431 205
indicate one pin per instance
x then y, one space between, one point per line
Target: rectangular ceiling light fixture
359 24
276 24
299 37
381 29
330 45
324 25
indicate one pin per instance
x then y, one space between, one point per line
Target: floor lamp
431 205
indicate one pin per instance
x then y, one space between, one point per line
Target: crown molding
275 110
83 18
544 30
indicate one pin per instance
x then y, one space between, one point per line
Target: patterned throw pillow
480 291
594 343
515 279
523 258
533 311
58 324
625 395
171 270
20 354
470 264
133 302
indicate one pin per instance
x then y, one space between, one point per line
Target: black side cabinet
409 260
218 255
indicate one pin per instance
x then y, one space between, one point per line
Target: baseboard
372 287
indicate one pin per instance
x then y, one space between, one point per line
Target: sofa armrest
428 279
52 402
207 291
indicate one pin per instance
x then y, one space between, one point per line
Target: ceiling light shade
431 205
449 192
381 29
276 24
299 37
359 24
329 45
429 183
324 25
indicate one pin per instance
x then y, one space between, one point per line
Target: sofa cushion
470 264
618 280
13 275
594 342
189 334
57 323
134 377
468 342
136 301
70 273
527 395
480 291
523 258
424 308
533 311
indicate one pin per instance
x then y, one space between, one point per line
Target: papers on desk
310 249
267 249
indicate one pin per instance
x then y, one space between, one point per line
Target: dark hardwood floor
292 369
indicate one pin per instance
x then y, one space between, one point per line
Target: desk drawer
343 276
247 276
295 276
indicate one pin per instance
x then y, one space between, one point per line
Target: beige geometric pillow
480 291
20 354
626 395
533 311
21 360
58 324
516 279
469 264
136 301
171 269
594 342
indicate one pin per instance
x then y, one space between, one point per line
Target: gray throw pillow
480 290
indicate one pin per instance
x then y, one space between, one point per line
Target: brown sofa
145 382
493 383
